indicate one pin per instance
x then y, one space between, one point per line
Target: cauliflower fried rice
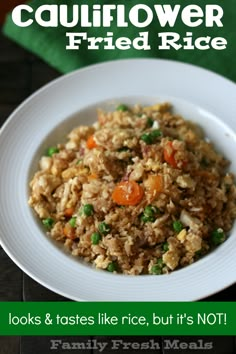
139 192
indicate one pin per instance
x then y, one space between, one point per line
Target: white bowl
45 119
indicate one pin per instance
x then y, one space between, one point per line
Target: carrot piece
69 212
127 193
169 156
69 231
91 143
154 184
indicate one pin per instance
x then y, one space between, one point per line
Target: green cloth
50 43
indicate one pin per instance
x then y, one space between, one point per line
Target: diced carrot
154 185
127 193
69 212
91 143
169 155
69 231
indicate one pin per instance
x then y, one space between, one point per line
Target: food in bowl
142 191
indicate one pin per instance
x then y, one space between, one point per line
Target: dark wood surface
21 73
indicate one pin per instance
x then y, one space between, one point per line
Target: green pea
177 226
52 150
150 138
95 238
48 223
79 161
146 138
145 218
149 214
111 267
122 107
160 262
88 209
151 210
165 246
148 211
155 270
104 228
217 237
149 122
155 134
72 221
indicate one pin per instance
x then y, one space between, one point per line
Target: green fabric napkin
50 43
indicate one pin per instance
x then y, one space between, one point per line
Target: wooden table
21 73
